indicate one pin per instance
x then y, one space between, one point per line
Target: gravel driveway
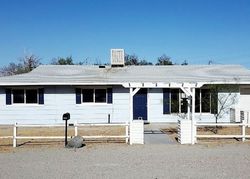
124 161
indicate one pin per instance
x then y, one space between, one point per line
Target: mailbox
66 116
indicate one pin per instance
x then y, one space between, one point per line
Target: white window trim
94 103
24 103
203 113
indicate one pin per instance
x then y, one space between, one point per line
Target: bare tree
223 97
26 64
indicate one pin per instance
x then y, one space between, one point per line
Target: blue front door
140 105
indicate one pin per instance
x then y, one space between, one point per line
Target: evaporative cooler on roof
117 57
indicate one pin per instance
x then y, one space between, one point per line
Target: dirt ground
128 161
173 133
171 130
6 144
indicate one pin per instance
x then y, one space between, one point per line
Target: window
100 95
88 95
18 96
205 101
24 96
175 101
29 96
94 95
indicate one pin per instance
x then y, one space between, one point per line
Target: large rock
76 142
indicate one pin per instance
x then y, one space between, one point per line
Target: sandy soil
6 144
125 161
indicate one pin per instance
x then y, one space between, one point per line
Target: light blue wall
61 99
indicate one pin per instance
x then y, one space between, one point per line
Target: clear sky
192 30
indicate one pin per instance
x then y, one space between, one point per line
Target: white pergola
187 88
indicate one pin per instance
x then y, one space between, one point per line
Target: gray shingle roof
76 74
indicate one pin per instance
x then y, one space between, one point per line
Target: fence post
76 129
14 134
126 133
243 131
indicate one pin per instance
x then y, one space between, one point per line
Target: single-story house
101 94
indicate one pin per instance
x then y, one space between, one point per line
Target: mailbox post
66 117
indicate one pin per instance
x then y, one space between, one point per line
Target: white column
193 117
130 105
189 105
14 134
76 131
130 113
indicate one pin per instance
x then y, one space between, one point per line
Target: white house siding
120 110
231 97
244 98
29 113
61 99
155 107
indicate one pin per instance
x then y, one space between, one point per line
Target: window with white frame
176 101
94 95
205 101
25 96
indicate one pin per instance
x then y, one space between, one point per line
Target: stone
76 142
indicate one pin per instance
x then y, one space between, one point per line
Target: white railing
243 134
76 126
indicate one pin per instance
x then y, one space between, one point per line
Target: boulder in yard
76 142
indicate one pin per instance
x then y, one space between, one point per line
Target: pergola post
193 127
130 105
131 95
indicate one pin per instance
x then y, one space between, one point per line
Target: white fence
243 134
76 126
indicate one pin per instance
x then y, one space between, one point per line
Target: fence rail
76 128
243 126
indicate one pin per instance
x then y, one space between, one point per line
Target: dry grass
6 144
173 133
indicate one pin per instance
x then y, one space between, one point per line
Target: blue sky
192 30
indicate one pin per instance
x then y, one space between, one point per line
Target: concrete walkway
154 135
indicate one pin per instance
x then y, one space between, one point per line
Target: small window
31 96
197 100
25 96
87 95
174 100
205 103
18 96
94 95
100 96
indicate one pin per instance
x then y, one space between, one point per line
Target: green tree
164 60
131 59
134 60
63 61
184 62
